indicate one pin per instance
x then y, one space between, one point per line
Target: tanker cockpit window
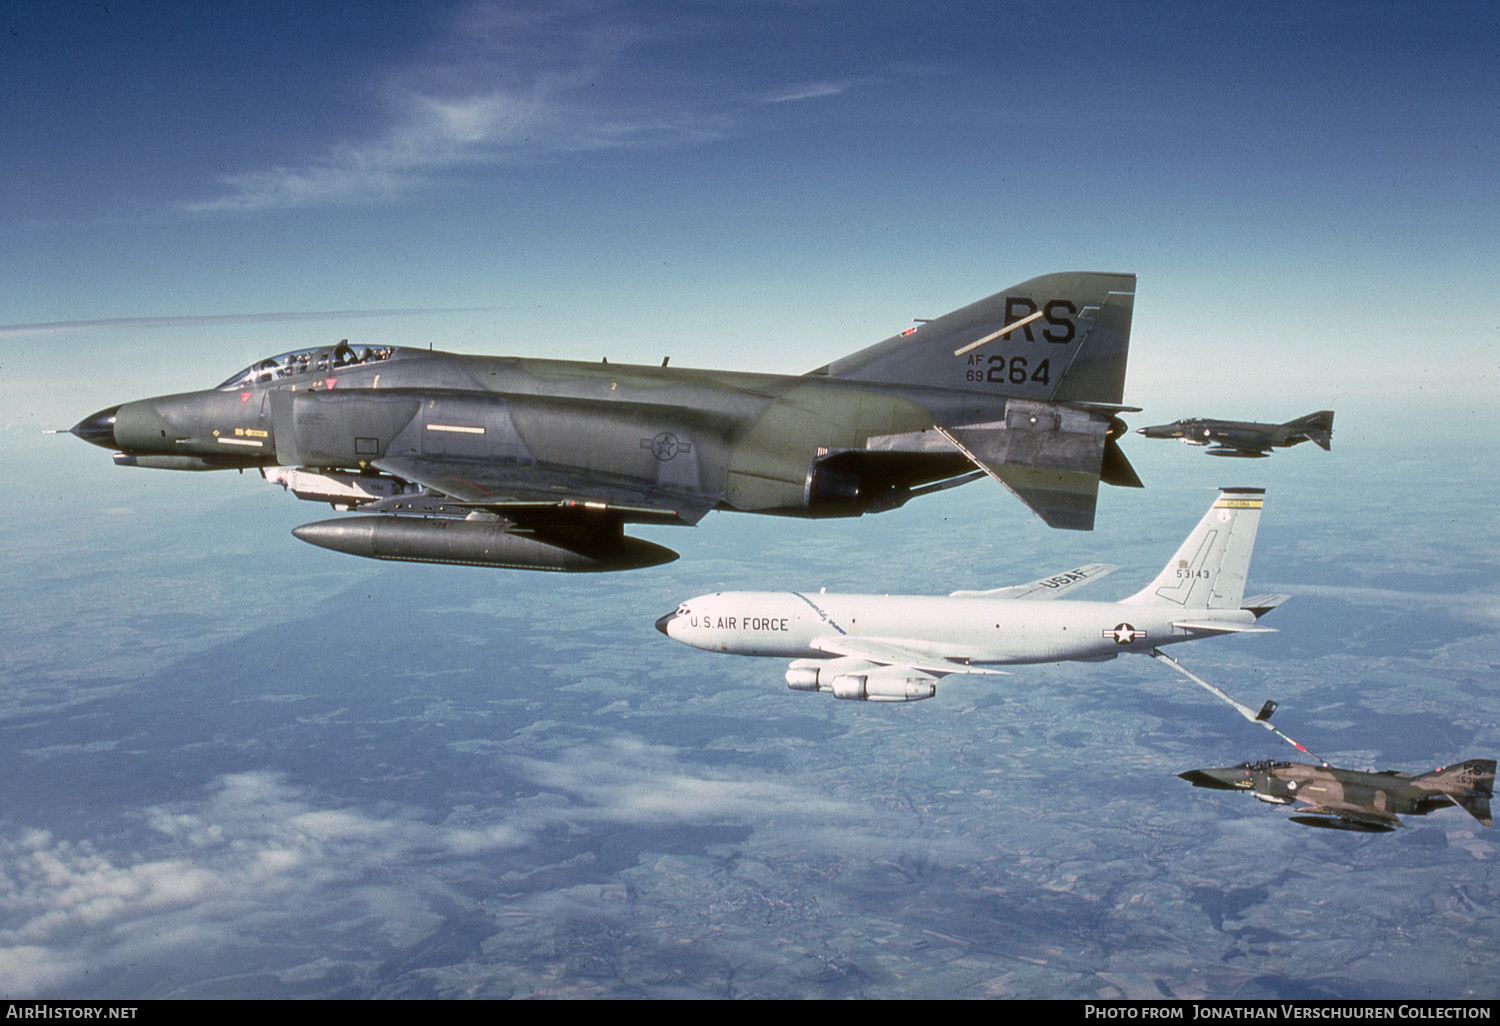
322 360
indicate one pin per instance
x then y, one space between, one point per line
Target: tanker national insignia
540 464
1124 634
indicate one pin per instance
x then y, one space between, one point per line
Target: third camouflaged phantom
1344 799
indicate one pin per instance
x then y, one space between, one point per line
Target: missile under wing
540 463
1344 799
1247 439
896 647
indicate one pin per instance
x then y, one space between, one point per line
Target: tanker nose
99 429
661 623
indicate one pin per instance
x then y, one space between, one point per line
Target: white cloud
254 846
808 91
635 782
1479 606
504 86
257 863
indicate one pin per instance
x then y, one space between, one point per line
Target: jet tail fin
1048 357
1209 569
1059 337
1316 426
1470 785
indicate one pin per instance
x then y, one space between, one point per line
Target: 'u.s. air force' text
741 623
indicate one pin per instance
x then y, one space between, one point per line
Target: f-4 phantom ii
894 648
538 464
1247 439
1343 799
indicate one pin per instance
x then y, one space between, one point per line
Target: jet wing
1048 587
916 655
508 488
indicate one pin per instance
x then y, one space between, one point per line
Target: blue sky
1306 191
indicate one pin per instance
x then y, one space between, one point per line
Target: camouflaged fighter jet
1342 799
1247 439
538 464
894 648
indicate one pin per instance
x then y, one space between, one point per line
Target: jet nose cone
99 429
663 621
1218 779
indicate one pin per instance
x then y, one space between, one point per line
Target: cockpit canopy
321 360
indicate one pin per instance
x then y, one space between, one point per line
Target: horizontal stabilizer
1476 805
1049 456
1316 426
1260 605
1062 499
1116 469
1220 627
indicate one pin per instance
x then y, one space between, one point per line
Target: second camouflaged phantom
538 464
1247 439
1344 799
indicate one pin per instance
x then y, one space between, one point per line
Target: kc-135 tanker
895 648
539 464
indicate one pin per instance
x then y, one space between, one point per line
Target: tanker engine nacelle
858 681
